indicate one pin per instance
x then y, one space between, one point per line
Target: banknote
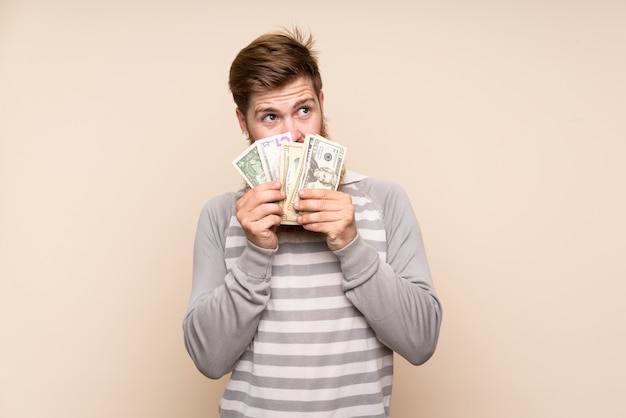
291 156
259 163
269 153
322 164
316 163
249 165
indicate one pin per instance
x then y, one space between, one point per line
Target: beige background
504 121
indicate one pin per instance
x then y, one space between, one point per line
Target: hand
329 212
259 214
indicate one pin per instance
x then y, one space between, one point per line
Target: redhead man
306 318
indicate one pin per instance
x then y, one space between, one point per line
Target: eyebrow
304 101
296 105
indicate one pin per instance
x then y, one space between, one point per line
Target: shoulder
220 208
217 218
221 202
378 189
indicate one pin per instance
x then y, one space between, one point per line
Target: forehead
287 96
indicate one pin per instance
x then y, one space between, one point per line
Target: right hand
259 213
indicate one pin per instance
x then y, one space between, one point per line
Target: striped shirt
300 324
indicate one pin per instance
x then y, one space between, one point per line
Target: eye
269 118
305 110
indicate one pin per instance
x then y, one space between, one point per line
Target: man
305 317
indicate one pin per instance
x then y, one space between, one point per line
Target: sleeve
397 297
225 307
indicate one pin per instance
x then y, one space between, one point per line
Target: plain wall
503 120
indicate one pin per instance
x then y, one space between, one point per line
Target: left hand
329 212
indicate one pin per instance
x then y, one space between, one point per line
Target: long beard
324 130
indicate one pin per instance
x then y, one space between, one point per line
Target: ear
321 99
242 120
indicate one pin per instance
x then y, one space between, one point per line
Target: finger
268 209
333 202
262 233
317 193
258 212
317 205
263 225
324 217
270 185
267 192
259 225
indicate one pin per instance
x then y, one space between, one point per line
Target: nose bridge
291 125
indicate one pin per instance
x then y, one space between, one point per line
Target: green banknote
315 164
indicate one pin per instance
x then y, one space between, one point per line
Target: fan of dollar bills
314 164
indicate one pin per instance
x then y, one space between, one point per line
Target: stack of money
315 164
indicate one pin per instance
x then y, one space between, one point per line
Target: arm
396 297
225 307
